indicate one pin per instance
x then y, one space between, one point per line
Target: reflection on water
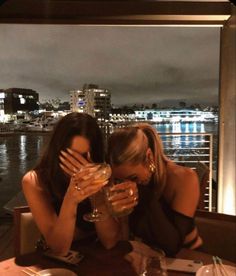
20 152
187 128
190 143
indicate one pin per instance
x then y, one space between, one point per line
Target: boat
49 123
34 126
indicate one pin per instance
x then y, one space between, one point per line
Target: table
97 261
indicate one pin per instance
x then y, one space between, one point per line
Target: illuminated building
92 100
15 101
172 116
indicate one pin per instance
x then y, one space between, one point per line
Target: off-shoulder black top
155 223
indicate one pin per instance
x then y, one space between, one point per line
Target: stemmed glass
100 172
109 193
154 265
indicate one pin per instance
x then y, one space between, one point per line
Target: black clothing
157 224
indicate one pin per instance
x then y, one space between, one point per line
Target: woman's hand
83 184
123 196
71 161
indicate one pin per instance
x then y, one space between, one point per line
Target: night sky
145 65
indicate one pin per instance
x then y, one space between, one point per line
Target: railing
192 150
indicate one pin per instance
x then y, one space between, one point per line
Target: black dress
156 224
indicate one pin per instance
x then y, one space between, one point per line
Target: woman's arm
108 230
168 229
58 230
113 229
186 200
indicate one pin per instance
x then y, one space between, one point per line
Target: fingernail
63 152
62 167
61 158
69 150
88 156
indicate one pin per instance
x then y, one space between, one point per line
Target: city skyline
137 64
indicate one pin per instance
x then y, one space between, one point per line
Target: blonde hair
130 144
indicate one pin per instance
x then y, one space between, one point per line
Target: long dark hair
48 170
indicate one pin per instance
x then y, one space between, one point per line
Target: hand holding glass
119 199
99 173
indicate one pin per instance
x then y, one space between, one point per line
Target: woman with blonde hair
167 197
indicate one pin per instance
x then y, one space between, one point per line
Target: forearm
108 232
60 236
118 199
108 229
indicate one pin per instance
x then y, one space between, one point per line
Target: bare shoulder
185 188
182 178
30 181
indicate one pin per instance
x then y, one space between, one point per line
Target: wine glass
154 265
109 193
100 172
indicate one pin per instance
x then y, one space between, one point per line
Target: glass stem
93 203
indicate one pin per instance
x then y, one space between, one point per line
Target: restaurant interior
216 228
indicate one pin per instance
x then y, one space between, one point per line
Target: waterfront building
14 101
176 115
122 115
92 100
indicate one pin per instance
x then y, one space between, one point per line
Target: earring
152 167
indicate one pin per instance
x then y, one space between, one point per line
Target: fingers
89 157
78 158
125 203
85 188
86 191
91 182
91 189
71 161
127 185
126 190
66 170
66 165
86 181
123 196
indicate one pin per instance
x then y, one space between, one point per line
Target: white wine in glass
100 172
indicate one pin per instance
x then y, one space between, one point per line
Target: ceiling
114 12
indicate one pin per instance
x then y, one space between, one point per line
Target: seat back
26 231
218 232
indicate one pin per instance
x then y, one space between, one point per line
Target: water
19 153
187 128
187 142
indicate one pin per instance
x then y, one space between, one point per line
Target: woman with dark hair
168 194
51 188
